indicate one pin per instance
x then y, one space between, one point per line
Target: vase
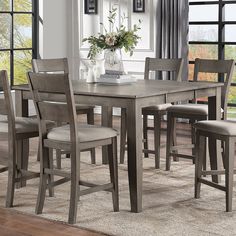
112 57
113 60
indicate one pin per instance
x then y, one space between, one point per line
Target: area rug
168 204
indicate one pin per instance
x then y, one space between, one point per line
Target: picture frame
138 6
91 7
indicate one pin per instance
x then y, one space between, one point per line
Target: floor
13 223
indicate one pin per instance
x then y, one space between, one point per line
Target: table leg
22 110
135 161
214 113
106 122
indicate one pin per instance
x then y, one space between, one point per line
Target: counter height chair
16 129
153 64
197 112
71 137
226 132
60 65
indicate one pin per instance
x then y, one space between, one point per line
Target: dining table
134 97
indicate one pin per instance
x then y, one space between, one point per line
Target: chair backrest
48 90
50 65
6 103
167 65
224 67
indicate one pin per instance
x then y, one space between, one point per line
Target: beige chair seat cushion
222 127
86 133
161 107
23 124
192 109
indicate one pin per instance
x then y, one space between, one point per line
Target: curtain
172 33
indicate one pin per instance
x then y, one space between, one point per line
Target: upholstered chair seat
221 127
196 109
86 133
161 107
23 124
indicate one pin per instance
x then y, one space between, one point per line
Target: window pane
230 33
5 61
204 15
23 5
190 71
230 10
203 51
22 64
203 33
4 5
232 95
231 113
23 31
5 27
230 53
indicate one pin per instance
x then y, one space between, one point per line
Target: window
212 34
18 37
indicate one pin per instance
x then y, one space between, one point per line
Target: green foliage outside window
22 35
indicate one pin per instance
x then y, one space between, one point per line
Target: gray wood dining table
134 97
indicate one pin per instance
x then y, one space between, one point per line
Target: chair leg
176 159
74 189
145 134
22 158
229 172
200 153
38 153
44 163
123 131
11 172
169 142
113 166
58 158
157 139
193 141
90 120
51 177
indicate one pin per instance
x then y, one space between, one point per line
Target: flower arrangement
116 39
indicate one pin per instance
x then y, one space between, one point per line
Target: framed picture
90 6
139 5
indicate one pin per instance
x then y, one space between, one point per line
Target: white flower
110 39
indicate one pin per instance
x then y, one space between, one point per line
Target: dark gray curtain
172 33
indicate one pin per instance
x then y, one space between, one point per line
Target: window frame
35 35
221 23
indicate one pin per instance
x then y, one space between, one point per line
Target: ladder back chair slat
50 65
161 65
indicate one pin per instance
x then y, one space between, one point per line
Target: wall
90 25
53 31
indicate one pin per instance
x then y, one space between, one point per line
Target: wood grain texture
17 224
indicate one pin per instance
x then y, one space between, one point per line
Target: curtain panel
172 33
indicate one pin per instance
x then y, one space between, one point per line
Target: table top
139 89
